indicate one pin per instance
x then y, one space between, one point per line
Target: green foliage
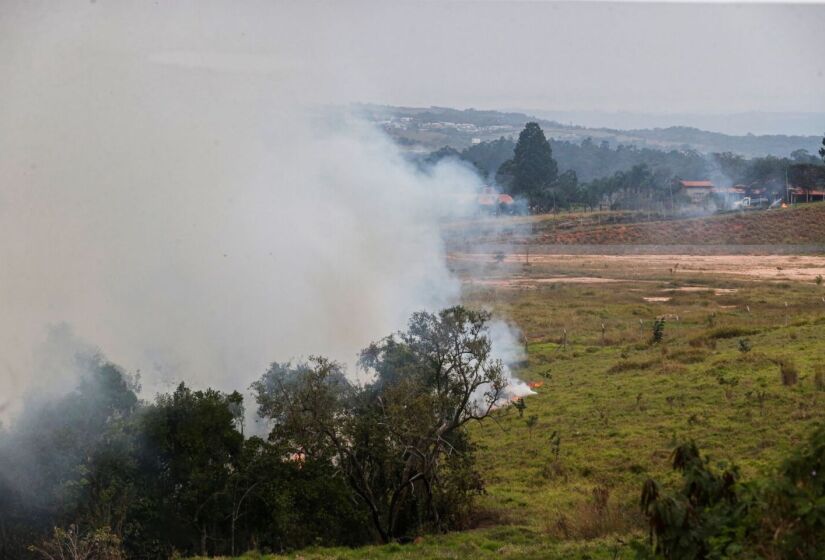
192 448
787 514
819 378
178 475
399 441
69 544
520 405
721 333
744 345
555 444
658 330
532 171
687 525
531 422
788 371
713 515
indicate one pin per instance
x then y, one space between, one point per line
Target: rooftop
696 184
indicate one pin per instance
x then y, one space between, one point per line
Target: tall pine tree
532 170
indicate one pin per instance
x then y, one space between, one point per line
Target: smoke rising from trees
191 215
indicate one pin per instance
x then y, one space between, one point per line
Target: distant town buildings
696 191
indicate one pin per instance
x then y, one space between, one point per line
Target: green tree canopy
822 149
399 441
532 170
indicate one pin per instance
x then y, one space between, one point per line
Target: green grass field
619 404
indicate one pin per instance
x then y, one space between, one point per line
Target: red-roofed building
492 200
696 184
798 194
697 191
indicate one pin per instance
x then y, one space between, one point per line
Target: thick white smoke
189 215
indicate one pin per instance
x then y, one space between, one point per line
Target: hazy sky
702 58
164 191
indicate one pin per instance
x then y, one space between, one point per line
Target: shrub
689 356
658 330
703 341
713 515
819 378
628 365
787 516
593 518
70 544
744 345
729 332
682 524
531 422
790 375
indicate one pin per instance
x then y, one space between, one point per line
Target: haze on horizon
580 59
154 155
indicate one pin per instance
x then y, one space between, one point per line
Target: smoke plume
190 214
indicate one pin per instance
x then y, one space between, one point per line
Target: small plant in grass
711 319
819 378
658 330
728 383
760 396
744 345
555 444
554 468
70 544
790 375
818 279
531 422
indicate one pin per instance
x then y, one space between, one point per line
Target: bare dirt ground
511 269
532 282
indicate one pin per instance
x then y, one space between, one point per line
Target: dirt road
601 268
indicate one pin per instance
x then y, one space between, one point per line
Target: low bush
819 378
594 518
730 332
630 365
789 372
703 342
689 356
72 544
714 515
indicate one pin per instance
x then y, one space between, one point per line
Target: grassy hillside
612 405
803 224
620 404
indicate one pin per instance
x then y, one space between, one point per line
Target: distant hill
427 129
736 124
